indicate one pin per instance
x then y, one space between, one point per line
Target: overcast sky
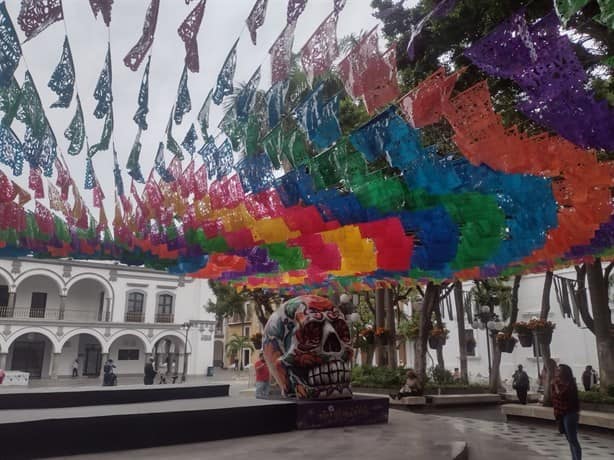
223 22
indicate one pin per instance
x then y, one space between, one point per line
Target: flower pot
544 337
507 346
526 340
436 341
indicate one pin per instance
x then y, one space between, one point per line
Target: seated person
411 387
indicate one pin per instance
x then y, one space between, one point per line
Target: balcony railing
48 313
165 318
134 317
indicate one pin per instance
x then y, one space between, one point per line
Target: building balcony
134 317
51 314
165 317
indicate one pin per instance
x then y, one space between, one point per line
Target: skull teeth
336 372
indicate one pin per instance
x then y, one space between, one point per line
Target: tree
236 345
228 302
460 322
598 318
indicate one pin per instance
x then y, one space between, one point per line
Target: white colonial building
53 312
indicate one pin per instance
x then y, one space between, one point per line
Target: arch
146 343
175 334
35 330
94 276
4 348
6 275
94 333
42 272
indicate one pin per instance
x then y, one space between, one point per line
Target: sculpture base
359 410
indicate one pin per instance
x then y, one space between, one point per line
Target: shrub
410 329
595 397
441 376
378 377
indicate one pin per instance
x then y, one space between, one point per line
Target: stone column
10 307
104 357
53 364
3 357
62 306
108 312
185 357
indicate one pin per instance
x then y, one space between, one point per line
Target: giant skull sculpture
307 346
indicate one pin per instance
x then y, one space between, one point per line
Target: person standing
262 377
566 406
150 372
520 383
109 378
589 378
75 367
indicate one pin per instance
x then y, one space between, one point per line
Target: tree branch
420 291
606 275
581 298
447 292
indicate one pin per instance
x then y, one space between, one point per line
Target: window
164 313
128 355
4 296
246 331
135 302
38 304
165 304
470 342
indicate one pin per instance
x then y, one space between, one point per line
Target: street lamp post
488 321
187 325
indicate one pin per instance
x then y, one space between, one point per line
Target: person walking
262 377
566 406
520 383
75 367
110 378
589 378
150 372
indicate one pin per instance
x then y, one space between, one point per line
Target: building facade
55 312
245 326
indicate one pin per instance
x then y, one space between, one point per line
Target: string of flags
311 202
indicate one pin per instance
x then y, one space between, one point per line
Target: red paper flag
188 31
321 49
136 55
281 52
35 183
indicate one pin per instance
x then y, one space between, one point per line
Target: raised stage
160 417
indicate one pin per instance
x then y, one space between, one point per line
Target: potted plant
367 335
410 329
437 337
525 334
383 335
543 330
506 342
257 340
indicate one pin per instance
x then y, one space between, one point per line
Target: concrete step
535 411
461 400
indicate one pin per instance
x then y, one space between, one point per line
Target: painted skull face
308 349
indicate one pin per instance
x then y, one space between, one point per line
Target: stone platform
45 398
603 420
360 410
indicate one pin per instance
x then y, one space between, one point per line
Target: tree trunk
460 322
390 325
545 349
431 297
602 325
437 311
495 382
379 323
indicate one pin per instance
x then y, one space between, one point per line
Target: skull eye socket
312 333
342 329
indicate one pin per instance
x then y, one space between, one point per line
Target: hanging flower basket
544 337
436 341
526 340
506 342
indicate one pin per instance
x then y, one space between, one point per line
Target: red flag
188 31
281 52
97 195
7 191
135 194
35 183
152 196
321 49
63 180
200 182
118 222
55 201
135 56
104 7
186 180
102 220
44 219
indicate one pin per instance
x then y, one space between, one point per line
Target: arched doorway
218 353
128 353
87 349
86 301
31 353
168 352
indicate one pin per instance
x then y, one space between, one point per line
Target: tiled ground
543 439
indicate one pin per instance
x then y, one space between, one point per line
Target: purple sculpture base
359 410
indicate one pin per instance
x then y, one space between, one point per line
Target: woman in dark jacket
150 372
567 407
